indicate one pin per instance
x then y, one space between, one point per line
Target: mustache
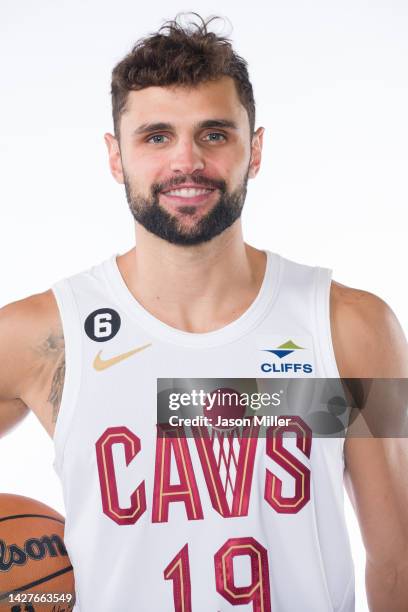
196 179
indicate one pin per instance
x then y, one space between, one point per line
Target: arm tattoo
53 350
56 388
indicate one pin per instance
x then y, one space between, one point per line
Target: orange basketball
35 571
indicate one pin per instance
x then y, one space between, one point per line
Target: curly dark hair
180 55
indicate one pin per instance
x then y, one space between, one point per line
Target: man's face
185 159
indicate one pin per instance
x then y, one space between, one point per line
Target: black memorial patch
102 324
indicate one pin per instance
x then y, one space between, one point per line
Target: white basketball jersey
150 524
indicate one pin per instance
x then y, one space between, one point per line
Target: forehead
185 105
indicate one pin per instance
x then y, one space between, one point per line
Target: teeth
187 192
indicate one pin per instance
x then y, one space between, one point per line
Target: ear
256 152
115 160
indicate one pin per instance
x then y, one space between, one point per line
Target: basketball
35 571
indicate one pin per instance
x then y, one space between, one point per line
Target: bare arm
377 483
12 407
31 355
369 342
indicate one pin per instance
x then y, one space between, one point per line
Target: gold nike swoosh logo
101 364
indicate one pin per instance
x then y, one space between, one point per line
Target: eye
214 137
155 139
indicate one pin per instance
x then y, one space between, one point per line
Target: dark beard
158 221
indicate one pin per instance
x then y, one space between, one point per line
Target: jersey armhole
70 322
322 323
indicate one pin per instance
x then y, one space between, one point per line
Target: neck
196 288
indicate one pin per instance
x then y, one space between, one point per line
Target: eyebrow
208 123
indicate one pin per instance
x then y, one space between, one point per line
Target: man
147 518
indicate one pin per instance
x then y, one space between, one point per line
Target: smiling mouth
188 195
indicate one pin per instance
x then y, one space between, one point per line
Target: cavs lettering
174 441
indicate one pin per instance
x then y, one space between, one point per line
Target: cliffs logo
283 367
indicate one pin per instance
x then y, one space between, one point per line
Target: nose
187 157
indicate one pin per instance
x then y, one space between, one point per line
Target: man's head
184 144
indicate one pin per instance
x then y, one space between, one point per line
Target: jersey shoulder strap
75 296
303 299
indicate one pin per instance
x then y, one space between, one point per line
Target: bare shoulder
31 344
367 337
